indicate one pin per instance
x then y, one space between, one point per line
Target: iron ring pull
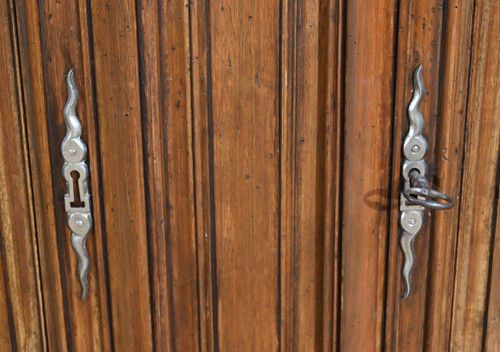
420 188
416 195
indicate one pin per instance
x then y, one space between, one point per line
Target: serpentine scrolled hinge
416 195
76 173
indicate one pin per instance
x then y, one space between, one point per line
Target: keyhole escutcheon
77 200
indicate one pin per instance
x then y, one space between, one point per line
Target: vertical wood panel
5 338
287 173
492 324
449 149
201 97
419 43
331 85
309 182
120 140
66 45
310 171
264 81
245 63
177 123
156 202
100 328
18 251
41 166
368 114
479 186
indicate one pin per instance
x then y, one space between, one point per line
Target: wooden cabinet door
245 175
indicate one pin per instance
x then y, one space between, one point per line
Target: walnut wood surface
314 121
492 333
5 330
245 175
117 89
479 190
203 177
41 167
90 319
177 118
244 88
420 42
20 301
367 158
154 177
448 156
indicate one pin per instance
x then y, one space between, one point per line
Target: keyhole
75 175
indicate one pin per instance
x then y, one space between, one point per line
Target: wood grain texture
121 160
367 159
100 330
419 43
332 85
202 150
66 44
65 24
5 331
18 249
310 135
175 71
244 45
35 104
492 328
449 149
309 182
156 201
479 185
244 182
288 63
167 111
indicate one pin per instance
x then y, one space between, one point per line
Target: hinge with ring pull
417 194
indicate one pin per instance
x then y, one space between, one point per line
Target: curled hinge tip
418 85
418 90
408 249
70 107
79 246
